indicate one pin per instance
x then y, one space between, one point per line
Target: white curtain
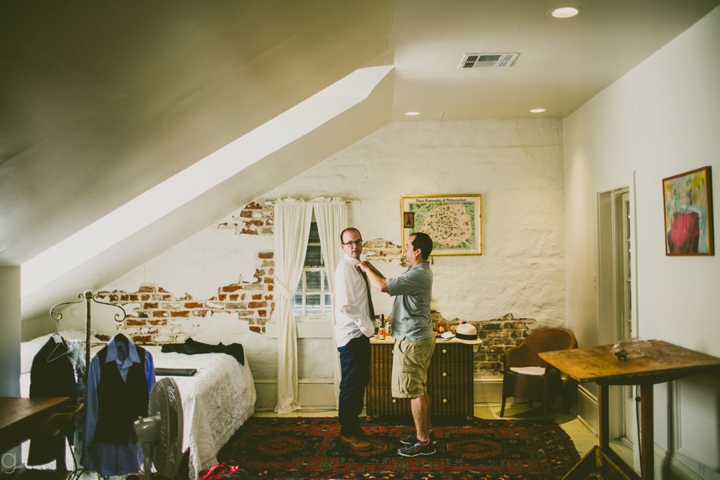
331 218
292 228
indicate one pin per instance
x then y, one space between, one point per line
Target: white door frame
623 420
626 180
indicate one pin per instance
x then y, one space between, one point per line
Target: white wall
10 327
515 165
661 119
517 168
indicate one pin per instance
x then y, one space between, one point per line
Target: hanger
51 358
121 341
59 344
56 336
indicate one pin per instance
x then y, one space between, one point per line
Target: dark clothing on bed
191 347
51 375
355 365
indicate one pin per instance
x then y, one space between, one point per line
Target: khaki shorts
411 361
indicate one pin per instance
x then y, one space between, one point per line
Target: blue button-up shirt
108 458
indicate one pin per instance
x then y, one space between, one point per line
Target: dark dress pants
355 365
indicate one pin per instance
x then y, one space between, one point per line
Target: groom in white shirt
354 317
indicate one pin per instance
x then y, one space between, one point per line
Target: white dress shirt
352 311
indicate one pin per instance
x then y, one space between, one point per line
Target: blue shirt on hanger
108 458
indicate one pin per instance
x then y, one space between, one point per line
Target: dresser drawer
450 381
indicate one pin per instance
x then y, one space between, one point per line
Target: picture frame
440 328
687 200
453 222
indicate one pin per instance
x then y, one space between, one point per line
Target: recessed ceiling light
412 114
564 12
537 110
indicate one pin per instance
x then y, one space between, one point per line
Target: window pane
327 310
314 235
299 287
312 280
325 285
297 305
312 305
313 256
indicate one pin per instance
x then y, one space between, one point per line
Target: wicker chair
541 383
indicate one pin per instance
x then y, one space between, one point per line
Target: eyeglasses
357 243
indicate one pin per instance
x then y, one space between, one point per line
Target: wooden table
21 418
662 362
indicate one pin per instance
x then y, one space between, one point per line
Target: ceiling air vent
488 60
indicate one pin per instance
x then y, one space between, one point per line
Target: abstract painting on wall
689 213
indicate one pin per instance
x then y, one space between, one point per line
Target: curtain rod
349 202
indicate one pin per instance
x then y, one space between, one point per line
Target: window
312 297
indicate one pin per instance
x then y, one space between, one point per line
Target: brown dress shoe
355 443
366 434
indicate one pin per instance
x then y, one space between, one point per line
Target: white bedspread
216 401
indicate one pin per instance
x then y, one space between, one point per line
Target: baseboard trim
587 409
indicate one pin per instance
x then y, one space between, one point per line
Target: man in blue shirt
414 337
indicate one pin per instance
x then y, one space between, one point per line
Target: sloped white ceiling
103 100
100 101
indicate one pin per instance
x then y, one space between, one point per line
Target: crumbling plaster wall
517 167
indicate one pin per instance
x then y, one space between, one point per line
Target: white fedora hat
467 333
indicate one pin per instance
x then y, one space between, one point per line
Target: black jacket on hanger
51 375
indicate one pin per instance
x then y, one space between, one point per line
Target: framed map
452 221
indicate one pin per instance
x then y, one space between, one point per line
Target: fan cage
165 401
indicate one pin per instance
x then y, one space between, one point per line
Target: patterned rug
307 448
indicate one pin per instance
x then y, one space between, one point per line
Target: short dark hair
349 229
422 242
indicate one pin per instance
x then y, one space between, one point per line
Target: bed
216 401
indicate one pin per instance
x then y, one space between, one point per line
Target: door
616 285
623 324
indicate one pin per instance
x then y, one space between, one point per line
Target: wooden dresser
450 380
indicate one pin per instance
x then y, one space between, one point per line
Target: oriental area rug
308 448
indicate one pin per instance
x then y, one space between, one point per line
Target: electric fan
161 432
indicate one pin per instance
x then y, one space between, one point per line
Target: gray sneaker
419 448
411 439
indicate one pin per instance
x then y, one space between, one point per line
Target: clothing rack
88 297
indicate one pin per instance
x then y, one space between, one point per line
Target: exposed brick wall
160 316
497 335
256 218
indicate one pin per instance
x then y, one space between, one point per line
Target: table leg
647 460
604 417
60 465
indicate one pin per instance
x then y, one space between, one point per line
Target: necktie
369 297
